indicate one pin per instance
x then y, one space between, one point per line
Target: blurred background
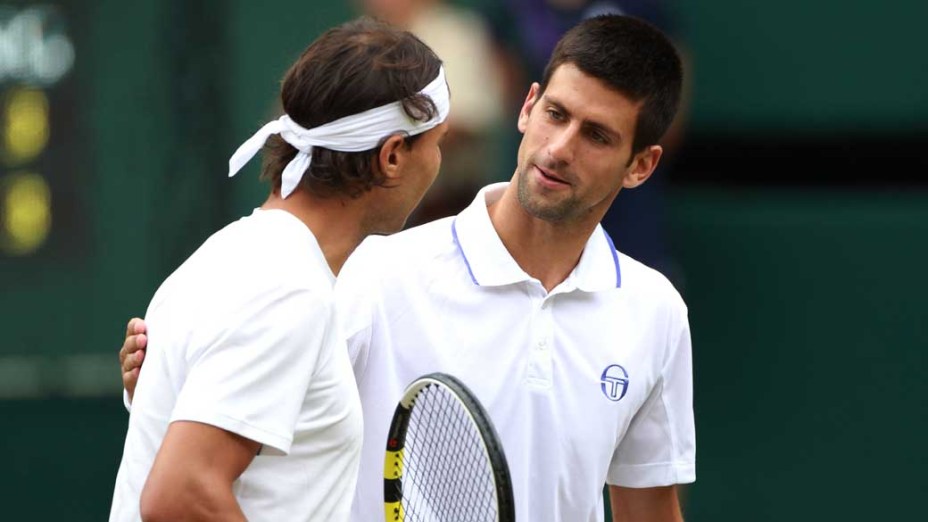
792 213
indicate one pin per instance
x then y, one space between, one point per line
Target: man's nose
561 145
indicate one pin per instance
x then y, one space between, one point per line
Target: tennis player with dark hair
248 407
580 354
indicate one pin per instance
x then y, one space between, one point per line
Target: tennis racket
444 461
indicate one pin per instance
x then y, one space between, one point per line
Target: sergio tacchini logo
614 382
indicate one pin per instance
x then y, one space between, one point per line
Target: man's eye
555 115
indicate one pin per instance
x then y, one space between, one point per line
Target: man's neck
335 222
544 250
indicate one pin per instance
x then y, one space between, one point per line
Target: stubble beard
561 211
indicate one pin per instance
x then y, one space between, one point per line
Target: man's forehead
569 76
590 98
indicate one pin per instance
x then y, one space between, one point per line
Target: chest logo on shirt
614 382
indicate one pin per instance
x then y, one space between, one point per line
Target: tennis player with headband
580 354
248 406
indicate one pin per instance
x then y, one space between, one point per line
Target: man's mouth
551 176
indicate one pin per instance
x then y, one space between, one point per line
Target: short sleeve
659 448
249 375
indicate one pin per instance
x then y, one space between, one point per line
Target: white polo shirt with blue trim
588 384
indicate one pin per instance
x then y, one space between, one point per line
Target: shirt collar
490 264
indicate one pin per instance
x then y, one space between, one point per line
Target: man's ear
643 165
392 156
530 99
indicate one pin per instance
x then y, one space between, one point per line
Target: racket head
444 459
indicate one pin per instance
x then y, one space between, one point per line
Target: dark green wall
827 65
806 306
810 334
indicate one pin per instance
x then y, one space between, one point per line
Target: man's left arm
658 504
657 451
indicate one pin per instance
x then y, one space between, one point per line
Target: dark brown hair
631 57
354 67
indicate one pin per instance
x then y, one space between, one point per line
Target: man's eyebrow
596 125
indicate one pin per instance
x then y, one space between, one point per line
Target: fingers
135 339
135 358
129 380
135 326
131 367
133 352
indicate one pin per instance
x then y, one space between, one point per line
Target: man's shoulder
398 260
262 259
273 247
413 244
644 283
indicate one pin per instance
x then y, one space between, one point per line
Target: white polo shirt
243 337
588 384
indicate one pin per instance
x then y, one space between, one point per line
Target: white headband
355 133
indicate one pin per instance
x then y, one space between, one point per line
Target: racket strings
447 474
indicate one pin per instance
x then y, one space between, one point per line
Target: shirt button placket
544 339
540 356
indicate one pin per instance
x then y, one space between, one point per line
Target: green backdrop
806 306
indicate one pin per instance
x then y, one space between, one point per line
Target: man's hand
132 354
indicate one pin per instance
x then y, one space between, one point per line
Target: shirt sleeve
249 374
659 448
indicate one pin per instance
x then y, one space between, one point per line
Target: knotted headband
354 133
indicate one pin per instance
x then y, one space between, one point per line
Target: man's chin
551 213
